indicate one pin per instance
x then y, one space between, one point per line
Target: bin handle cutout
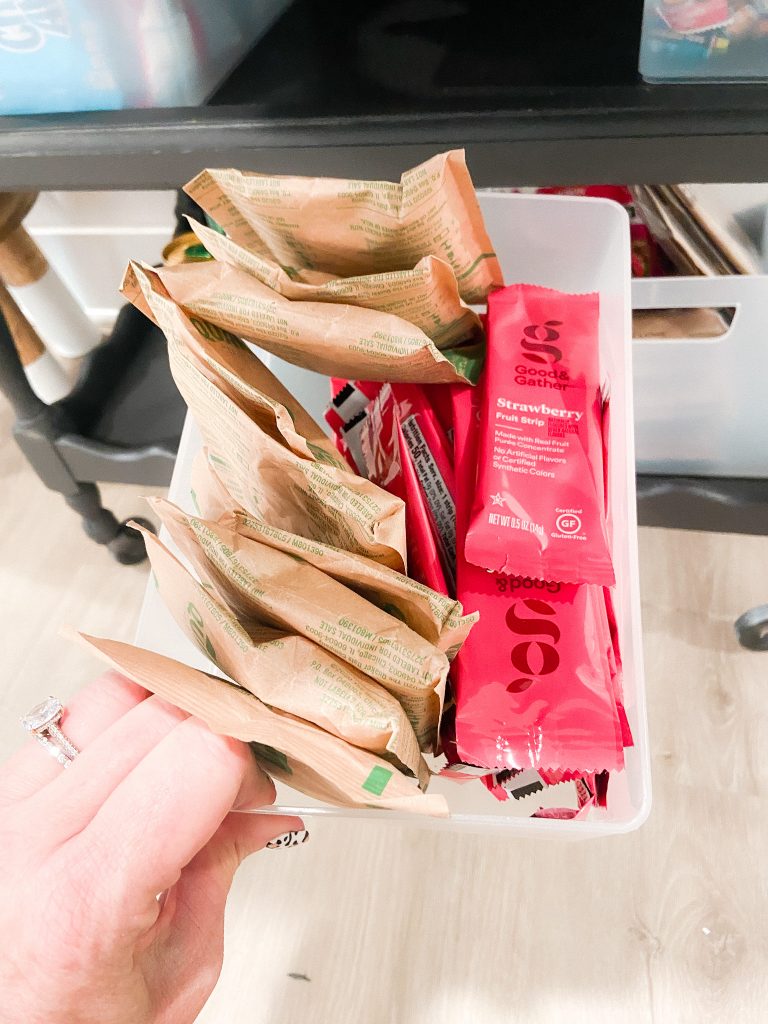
701 323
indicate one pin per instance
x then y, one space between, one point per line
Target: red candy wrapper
439 397
539 508
532 684
388 463
349 399
432 457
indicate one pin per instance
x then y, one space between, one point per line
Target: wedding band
42 721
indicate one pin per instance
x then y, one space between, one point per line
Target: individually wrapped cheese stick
287 672
263 475
280 590
293 751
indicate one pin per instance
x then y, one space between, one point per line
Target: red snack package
432 460
388 464
439 397
539 508
531 682
348 398
348 402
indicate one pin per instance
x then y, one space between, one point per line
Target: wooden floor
371 924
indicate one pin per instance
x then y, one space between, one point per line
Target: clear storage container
704 40
70 55
574 244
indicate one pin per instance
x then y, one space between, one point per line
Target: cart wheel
752 628
127 547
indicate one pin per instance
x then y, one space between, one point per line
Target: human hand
84 851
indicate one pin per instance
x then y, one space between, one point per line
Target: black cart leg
125 544
37 428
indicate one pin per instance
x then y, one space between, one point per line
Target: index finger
165 811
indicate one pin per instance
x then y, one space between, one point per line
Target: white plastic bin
704 40
700 403
573 244
69 55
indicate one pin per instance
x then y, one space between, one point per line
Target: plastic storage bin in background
700 403
70 55
704 40
573 244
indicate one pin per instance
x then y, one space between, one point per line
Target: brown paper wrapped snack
282 591
434 616
262 474
330 338
242 376
285 671
297 753
357 227
427 296
210 498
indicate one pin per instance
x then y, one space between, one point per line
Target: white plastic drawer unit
701 405
572 244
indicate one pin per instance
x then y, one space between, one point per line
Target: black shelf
549 96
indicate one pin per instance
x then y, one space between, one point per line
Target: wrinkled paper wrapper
266 477
329 338
437 618
426 296
297 753
260 582
287 672
349 228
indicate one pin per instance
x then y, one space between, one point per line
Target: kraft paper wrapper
329 338
427 296
243 377
279 590
264 476
348 228
434 616
210 498
297 753
285 671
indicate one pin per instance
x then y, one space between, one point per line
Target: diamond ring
43 722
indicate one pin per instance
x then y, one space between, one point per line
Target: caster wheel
127 547
752 628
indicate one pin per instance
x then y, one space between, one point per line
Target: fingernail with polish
288 839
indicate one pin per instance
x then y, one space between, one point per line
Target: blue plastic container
70 55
